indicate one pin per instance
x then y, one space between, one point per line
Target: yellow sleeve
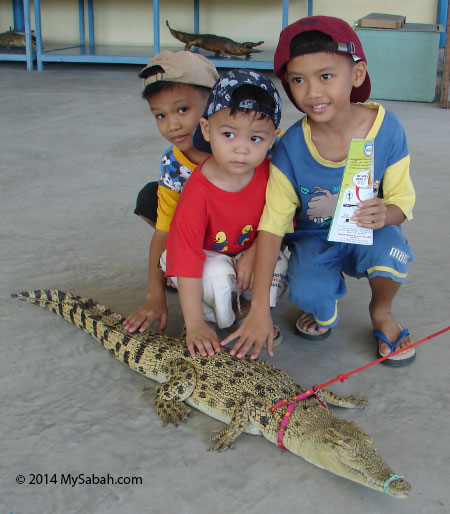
398 188
281 203
167 203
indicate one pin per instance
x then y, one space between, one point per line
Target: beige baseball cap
183 67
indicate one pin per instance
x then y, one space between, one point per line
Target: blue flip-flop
402 359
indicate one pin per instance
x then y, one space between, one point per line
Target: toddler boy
210 246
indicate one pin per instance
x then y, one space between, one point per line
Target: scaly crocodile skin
11 39
237 392
218 44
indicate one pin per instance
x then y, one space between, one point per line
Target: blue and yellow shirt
304 187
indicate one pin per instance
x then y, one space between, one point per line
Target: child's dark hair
310 42
257 99
162 85
305 42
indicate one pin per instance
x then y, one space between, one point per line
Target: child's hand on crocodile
203 339
152 310
253 333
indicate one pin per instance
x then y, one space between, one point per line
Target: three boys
322 66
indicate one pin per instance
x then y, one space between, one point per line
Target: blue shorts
316 267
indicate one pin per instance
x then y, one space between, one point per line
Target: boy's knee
147 203
217 264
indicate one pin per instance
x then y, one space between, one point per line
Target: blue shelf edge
13 57
104 54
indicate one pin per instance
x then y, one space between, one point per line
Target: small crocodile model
13 39
218 44
238 392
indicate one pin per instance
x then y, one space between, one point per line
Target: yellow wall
6 15
130 22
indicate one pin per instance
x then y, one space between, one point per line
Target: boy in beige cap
176 87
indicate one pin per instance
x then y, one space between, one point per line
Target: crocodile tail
184 37
41 296
51 298
96 320
87 314
64 304
172 31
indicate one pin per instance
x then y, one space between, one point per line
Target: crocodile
13 39
238 392
218 44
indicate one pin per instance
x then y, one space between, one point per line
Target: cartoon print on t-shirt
173 173
245 236
321 207
220 242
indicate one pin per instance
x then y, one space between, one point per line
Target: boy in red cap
323 69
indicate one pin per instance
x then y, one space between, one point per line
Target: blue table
93 53
28 55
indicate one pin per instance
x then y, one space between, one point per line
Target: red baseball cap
344 39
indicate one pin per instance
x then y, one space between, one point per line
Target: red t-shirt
209 218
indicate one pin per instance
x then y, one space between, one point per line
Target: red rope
346 375
313 390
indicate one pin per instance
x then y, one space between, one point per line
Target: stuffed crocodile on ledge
237 392
14 39
218 44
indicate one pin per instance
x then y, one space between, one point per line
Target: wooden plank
382 21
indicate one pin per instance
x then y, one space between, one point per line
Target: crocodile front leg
171 394
225 437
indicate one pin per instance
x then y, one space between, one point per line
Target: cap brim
199 141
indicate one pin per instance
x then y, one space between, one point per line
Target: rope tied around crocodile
291 404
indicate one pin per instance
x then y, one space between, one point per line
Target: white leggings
219 285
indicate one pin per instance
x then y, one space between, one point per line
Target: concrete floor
76 144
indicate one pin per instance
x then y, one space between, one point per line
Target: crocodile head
341 447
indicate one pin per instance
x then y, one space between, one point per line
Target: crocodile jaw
344 449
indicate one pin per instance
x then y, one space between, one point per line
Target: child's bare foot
386 323
307 327
277 336
170 283
386 329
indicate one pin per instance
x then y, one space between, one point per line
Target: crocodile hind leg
225 437
350 402
171 394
